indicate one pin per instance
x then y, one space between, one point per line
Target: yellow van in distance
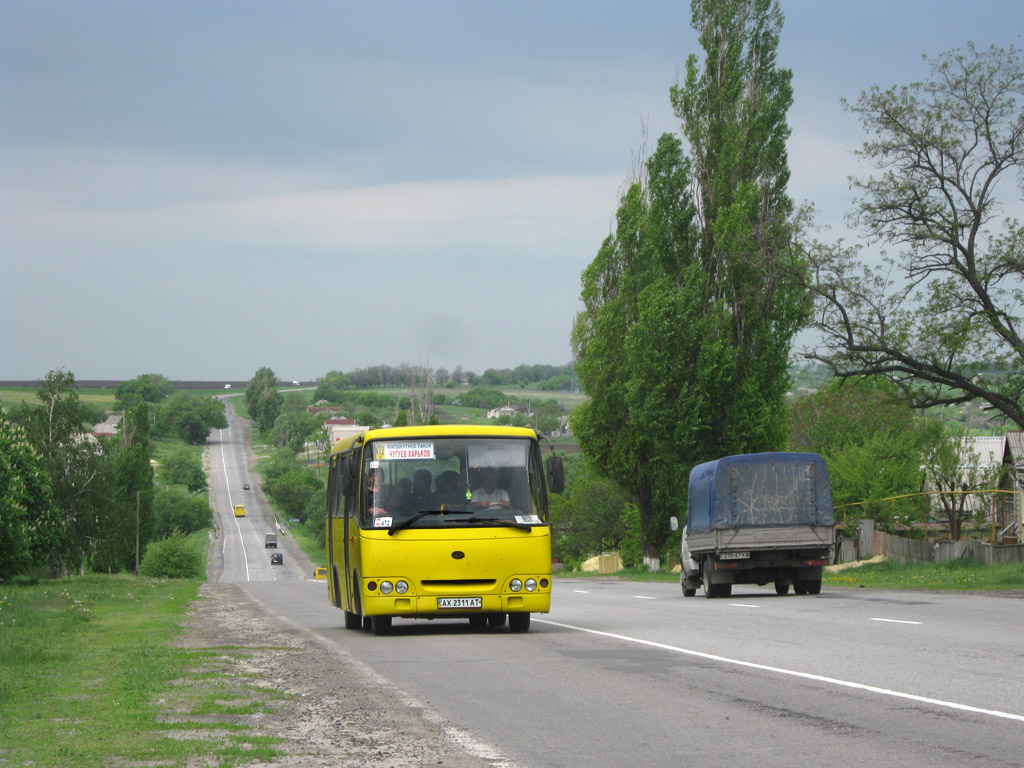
239 510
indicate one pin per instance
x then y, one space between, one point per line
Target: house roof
1015 444
988 450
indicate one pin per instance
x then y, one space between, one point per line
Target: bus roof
432 430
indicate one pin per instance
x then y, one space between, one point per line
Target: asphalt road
623 673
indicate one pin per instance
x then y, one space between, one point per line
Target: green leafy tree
954 471
941 319
262 399
74 464
293 491
183 467
588 518
29 519
176 512
125 524
874 445
690 307
193 417
149 387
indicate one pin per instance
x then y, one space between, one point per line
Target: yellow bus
239 510
440 522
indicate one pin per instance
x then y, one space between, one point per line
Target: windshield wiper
418 516
496 521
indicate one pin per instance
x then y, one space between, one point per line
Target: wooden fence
870 542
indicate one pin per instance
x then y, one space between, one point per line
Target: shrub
174 558
174 511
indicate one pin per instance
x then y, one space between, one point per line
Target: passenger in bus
451 491
402 497
377 494
489 494
422 497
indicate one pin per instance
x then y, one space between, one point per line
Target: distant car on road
239 510
320 574
245 487
277 559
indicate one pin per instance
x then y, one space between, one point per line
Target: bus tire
353 620
519 622
496 620
381 625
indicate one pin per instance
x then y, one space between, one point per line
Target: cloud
99 196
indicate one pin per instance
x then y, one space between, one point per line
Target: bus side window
334 487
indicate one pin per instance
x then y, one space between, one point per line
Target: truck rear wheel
709 588
813 587
781 587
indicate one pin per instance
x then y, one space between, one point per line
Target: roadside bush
293 491
176 557
177 512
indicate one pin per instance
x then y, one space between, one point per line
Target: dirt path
336 712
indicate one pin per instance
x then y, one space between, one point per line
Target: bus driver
489 494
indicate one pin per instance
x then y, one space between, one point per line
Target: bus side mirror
349 476
556 474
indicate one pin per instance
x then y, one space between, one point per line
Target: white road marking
231 506
582 591
644 597
744 605
897 621
793 673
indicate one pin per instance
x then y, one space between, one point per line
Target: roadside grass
313 549
956 575
962 575
90 676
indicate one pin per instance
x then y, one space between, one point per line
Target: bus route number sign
459 602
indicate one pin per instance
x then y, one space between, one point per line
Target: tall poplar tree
691 305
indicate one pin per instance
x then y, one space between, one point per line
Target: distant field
10 396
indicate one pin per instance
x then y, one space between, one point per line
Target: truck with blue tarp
756 519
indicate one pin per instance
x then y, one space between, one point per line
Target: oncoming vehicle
239 510
320 574
440 522
277 559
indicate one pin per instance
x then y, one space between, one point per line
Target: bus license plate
734 556
460 602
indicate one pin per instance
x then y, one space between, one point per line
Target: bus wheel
496 620
353 620
519 622
381 625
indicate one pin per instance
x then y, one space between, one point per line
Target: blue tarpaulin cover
760 490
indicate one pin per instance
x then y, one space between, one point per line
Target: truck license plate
459 602
734 556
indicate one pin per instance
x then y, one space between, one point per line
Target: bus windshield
452 481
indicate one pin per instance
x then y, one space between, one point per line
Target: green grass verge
89 672
962 575
959 575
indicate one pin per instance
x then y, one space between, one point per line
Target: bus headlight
401 587
386 587
531 585
515 585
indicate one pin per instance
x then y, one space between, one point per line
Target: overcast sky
202 189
